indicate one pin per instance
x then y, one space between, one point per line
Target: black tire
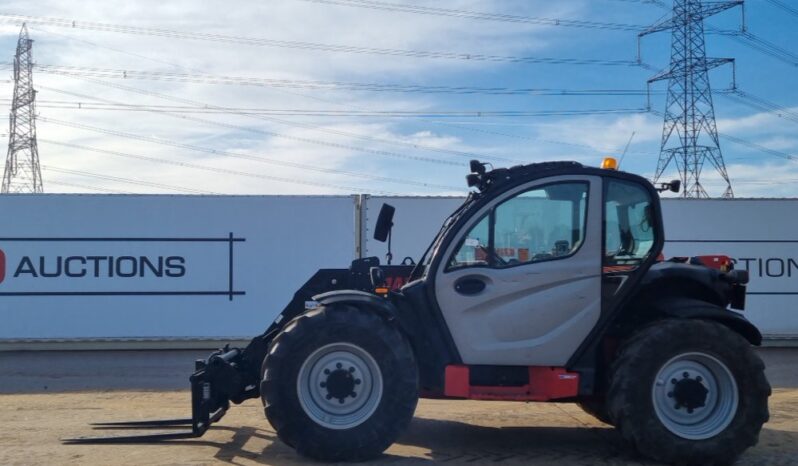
597 408
300 341
631 395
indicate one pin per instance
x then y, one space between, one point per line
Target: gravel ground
442 431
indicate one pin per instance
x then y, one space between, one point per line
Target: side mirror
384 223
674 186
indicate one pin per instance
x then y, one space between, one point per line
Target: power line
783 6
83 186
260 42
80 105
252 111
311 126
467 56
124 180
324 85
758 147
309 140
760 103
279 121
428 185
757 43
223 171
239 155
467 14
305 125
409 144
539 140
658 3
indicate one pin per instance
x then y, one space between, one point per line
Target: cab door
520 283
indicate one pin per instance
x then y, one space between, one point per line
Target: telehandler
546 284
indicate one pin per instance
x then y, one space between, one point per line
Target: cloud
285 20
386 147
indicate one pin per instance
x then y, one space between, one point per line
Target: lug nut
685 375
351 369
353 394
698 379
357 381
323 384
339 365
326 371
329 397
670 394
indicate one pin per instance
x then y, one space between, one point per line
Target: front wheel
339 384
688 391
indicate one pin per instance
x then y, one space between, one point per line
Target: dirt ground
442 431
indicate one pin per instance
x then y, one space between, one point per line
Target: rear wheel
688 391
339 384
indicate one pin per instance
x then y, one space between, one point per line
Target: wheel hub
689 393
340 384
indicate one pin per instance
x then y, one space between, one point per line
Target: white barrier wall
199 267
415 223
761 234
99 266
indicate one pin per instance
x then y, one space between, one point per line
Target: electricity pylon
690 134
22 172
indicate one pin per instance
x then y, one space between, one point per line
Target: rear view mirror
674 186
384 223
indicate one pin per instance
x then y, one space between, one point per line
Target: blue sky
232 153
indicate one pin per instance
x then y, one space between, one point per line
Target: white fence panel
761 235
98 266
416 221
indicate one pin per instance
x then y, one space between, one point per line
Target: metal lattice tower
690 135
22 172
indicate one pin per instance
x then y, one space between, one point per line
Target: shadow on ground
457 442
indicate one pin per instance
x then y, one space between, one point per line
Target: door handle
469 285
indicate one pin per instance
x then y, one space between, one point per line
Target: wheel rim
695 396
339 386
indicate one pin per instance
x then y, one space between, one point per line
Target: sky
330 111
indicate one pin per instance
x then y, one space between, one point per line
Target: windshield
628 223
436 243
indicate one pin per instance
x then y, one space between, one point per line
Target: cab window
628 223
540 224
